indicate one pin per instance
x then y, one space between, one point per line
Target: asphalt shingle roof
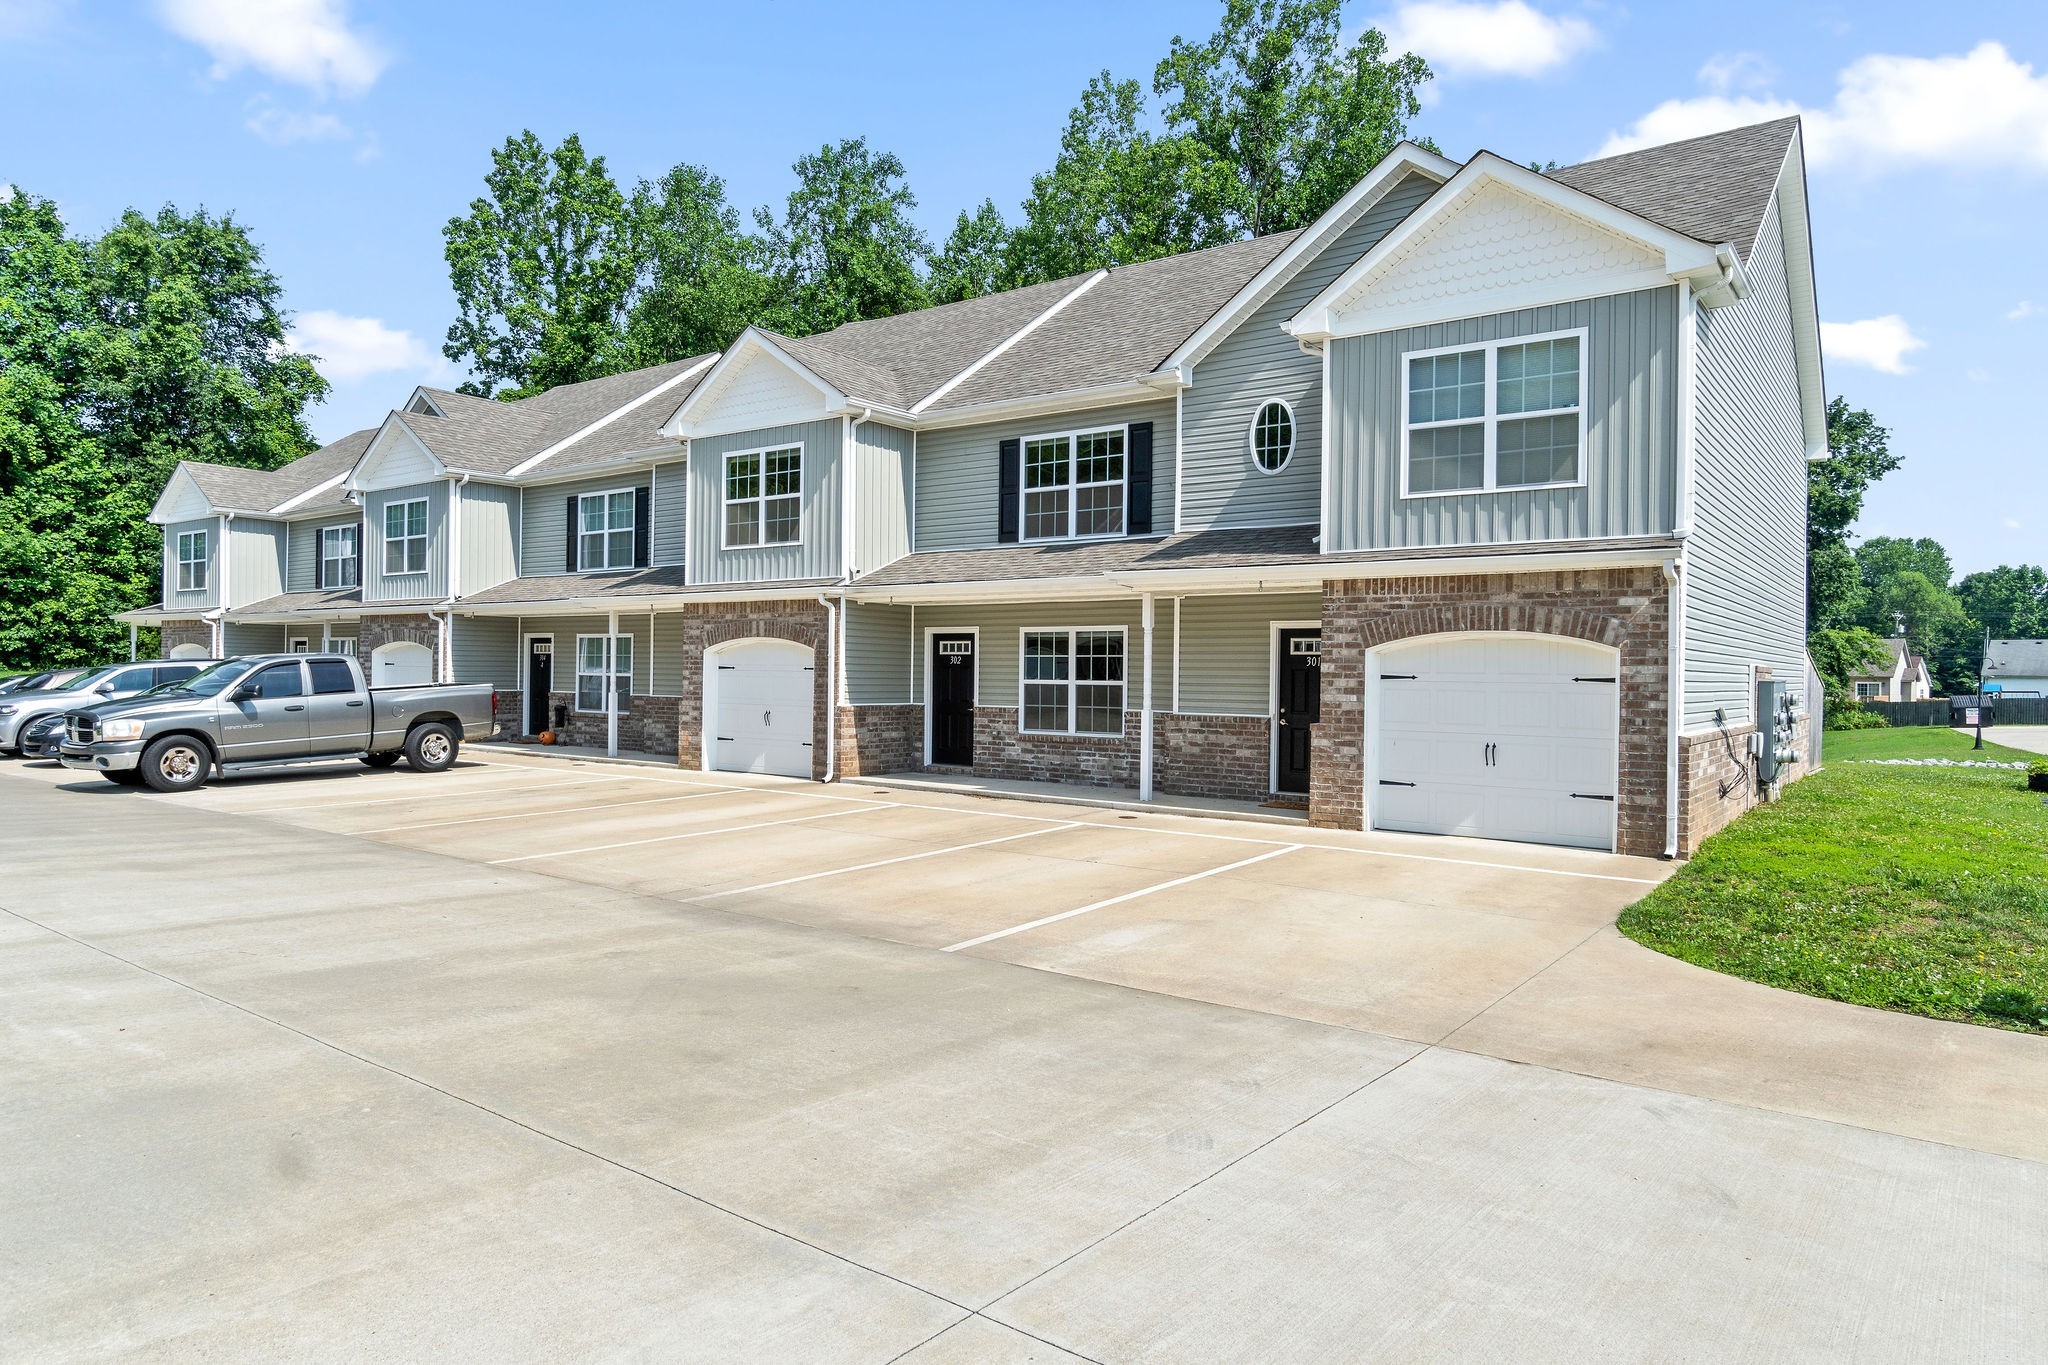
1713 188
1226 549
544 588
331 599
483 436
261 490
2016 659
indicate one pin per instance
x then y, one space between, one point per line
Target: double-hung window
1074 484
1869 691
405 537
1498 415
764 497
1073 682
338 556
597 656
191 561
604 530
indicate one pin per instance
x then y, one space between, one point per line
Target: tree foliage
699 276
1859 454
971 262
845 247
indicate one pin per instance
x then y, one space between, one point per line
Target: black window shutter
319 557
1138 488
643 501
1010 466
569 522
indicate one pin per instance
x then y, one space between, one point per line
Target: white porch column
1145 705
611 689
132 629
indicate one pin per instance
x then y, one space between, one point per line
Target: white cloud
1981 108
283 127
302 42
355 348
1475 38
2021 311
1874 343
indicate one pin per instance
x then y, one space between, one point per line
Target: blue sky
345 132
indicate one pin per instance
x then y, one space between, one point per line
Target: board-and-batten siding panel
879 654
671 513
240 638
490 536
957 470
1257 362
1000 642
256 568
1745 592
818 556
566 629
206 598
1226 656
881 497
302 573
1631 433
377 587
486 650
544 526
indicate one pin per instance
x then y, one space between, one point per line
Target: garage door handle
1588 796
1388 782
1392 677
725 739
1592 680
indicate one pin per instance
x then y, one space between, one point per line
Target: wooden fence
1949 711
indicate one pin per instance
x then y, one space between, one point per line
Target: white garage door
1499 737
401 664
761 708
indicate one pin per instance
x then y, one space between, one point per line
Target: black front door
1301 705
953 700
540 680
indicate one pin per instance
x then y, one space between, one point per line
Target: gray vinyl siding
1257 362
1745 592
302 570
565 629
487 650
671 513
882 473
819 555
880 655
544 537
256 552
667 659
957 494
434 582
238 638
1001 625
490 537
1226 656
209 596
1631 433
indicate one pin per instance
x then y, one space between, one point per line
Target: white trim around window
299 644
761 503
1282 427
1060 691
405 553
338 557
192 561
609 543
590 666
1063 506
1478 432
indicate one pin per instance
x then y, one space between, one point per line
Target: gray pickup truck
266 709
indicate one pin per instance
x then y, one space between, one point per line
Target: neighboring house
2016 668
1902 676
1476 506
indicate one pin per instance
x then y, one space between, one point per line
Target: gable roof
2016 659
231 488
1714 188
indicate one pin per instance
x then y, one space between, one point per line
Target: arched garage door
1497 736
758 701
188 651
401 664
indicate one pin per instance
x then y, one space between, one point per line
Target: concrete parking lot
540 1059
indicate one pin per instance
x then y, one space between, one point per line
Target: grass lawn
1915 889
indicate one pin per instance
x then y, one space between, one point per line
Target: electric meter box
1777 717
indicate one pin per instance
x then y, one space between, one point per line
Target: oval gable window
1272 436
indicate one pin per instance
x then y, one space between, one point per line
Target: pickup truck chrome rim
179 764
434 748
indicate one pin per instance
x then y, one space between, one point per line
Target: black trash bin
561 717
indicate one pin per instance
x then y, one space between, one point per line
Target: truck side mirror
246 692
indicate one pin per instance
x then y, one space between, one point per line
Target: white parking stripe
882 862
431 795
555 811
670 838
1126 896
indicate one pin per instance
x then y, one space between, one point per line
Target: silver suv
111 683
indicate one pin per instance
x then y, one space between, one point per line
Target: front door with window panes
764 497
1074 485
1300 688
597 655
604 530
1073 682
953 700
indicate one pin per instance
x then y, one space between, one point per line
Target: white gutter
1674 588
831 688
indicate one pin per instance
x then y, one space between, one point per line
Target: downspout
831 688
1674 591
447 613
847 520
1145 704
227 559
611 686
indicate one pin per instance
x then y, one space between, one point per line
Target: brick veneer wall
1229 757
708 624
508 717
375 631
1626 609
171 634
647 725
1708 762
1001 749
880 739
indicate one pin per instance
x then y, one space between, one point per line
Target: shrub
1853 717
2037 775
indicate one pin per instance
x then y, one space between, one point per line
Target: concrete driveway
535 1060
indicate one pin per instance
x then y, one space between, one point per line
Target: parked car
43 737
111 683
266 709
36 682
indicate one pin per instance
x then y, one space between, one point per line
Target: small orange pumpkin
547 736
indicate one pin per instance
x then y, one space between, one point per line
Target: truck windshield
214 680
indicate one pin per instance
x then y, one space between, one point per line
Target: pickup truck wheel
175 764
431 748
380 760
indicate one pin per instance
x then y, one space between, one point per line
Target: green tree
542 268
701 280
972 261
1839 653
2011 601
845 247
1859 454
1906 592
1286 116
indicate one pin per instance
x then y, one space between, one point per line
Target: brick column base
647 725
874 740
1226 757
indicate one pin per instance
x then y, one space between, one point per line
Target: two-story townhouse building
1476 507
